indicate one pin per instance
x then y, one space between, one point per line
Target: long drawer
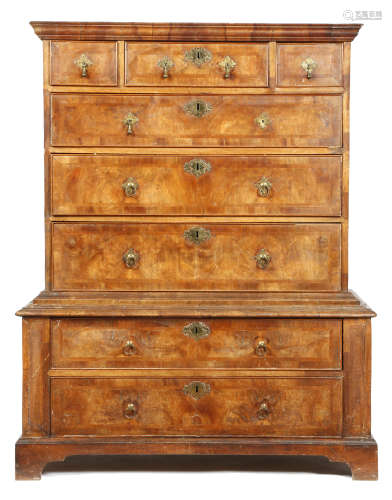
202 65
190 343
174 256
207 120
208 406
187 185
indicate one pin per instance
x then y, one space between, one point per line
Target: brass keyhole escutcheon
197 108
197 167
198 56
196 330
197 389
263 120
197 235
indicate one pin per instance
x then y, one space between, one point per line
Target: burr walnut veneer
196 216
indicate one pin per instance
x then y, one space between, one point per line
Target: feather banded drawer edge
196 220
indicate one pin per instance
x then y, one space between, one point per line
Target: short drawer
201 65
83 63
186 120
205 406
309 65
190 343
177 256
187 185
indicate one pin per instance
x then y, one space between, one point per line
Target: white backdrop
22 245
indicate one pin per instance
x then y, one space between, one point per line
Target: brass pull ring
130 187
130 121
131 258
263 258
263 187
166 64
129 348
83 62
309 66
228 65
261 348
264 411
130 411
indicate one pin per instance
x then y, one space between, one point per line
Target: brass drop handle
166 64
129 348
263 258
227 64
264 187
130 411
263 120
130 187
131 258
261 348
264 411
83 62
309 66
130 121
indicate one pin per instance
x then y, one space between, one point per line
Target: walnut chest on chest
196 224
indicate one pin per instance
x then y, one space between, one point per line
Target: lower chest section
185 376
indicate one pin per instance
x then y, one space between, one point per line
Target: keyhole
198 106
196 388
198 54
197 235
197 166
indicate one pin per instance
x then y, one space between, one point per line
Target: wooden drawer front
165 185
98 120
101 71
231 406
90 256
327 72
190 343
196 65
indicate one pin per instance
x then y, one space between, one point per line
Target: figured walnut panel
102 71
92 185
231 343
296 407
295 121
90 257
251 68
